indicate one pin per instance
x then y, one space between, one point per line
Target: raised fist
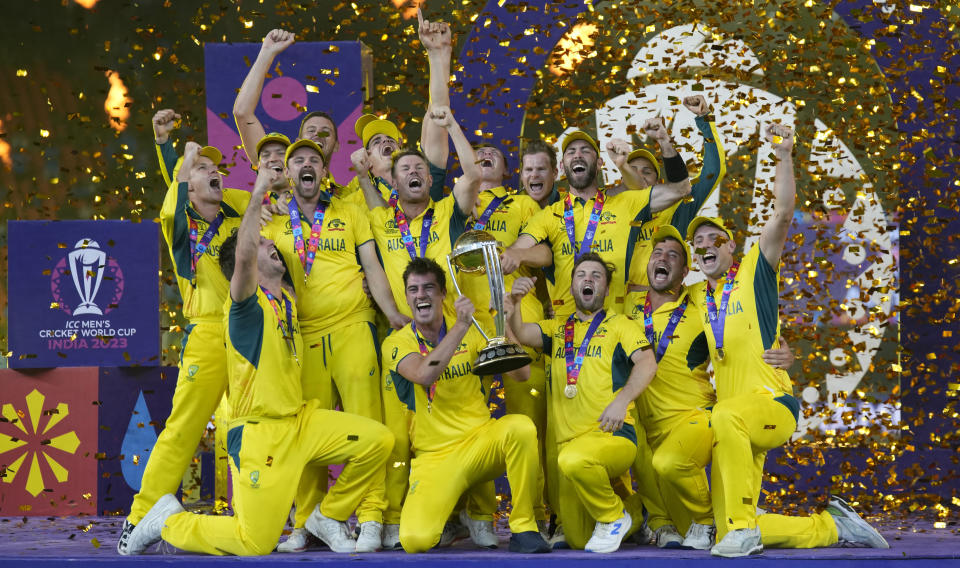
433 35
697 105
164 121
655 129
618 150
276 41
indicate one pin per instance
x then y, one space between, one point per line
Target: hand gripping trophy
478 252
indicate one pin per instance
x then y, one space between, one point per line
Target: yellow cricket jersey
682 382
606 368
504 224
447 224
460 403
612 242
332 296
263 373
682 212
205 292
752 326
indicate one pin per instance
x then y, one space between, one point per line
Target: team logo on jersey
606 218
390 225
336 224
192 371
255 479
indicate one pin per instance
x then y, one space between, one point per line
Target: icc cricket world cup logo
93 274
87 263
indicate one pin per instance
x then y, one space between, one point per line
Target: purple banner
83 294
306 77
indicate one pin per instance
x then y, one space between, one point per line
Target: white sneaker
146 533
699 537
390 538
333 533
124 537
741 542
370 539
607 536
667 537
481 532
296 542
851 528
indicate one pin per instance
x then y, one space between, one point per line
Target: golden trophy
477 252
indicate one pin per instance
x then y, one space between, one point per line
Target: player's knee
258 544
415 539
665 465
381 443
570 463
521 428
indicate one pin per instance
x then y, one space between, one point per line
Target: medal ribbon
718 319
481 223
198 248
574 364
405 237
286 330
309 252
675 318
432 391
591 225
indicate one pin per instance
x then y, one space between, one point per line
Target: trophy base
500 357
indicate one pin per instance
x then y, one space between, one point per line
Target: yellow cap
213 153
715 221
368 126
303 142
646 155
664 232
272 137
578 135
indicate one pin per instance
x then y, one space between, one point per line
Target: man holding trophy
434 366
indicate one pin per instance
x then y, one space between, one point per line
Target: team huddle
305 295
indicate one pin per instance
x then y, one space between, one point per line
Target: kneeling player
594 424
456 442
273 434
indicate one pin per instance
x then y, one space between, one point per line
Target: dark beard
589 177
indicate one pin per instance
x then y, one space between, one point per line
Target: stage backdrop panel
48 442
334 77
83 293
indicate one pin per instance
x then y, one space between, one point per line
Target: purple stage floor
90 541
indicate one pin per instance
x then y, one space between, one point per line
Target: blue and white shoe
608 536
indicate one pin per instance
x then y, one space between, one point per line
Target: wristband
675 169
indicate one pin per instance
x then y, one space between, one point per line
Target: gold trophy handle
456 286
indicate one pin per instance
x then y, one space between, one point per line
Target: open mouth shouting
587 292
661 274
423 307
215 183
415 182
308 178
578 166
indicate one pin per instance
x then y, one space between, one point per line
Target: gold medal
570 391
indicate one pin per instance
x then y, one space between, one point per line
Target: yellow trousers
200 385
267 457
681 449
529 398
438 479
398 419
586 464
744 428
781 531
343 368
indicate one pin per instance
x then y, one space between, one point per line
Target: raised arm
437 40
644 368
677 184
245 275
361 164
425 370
467 188
164 122
379 285
774 234
244 108
528 334
618 150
